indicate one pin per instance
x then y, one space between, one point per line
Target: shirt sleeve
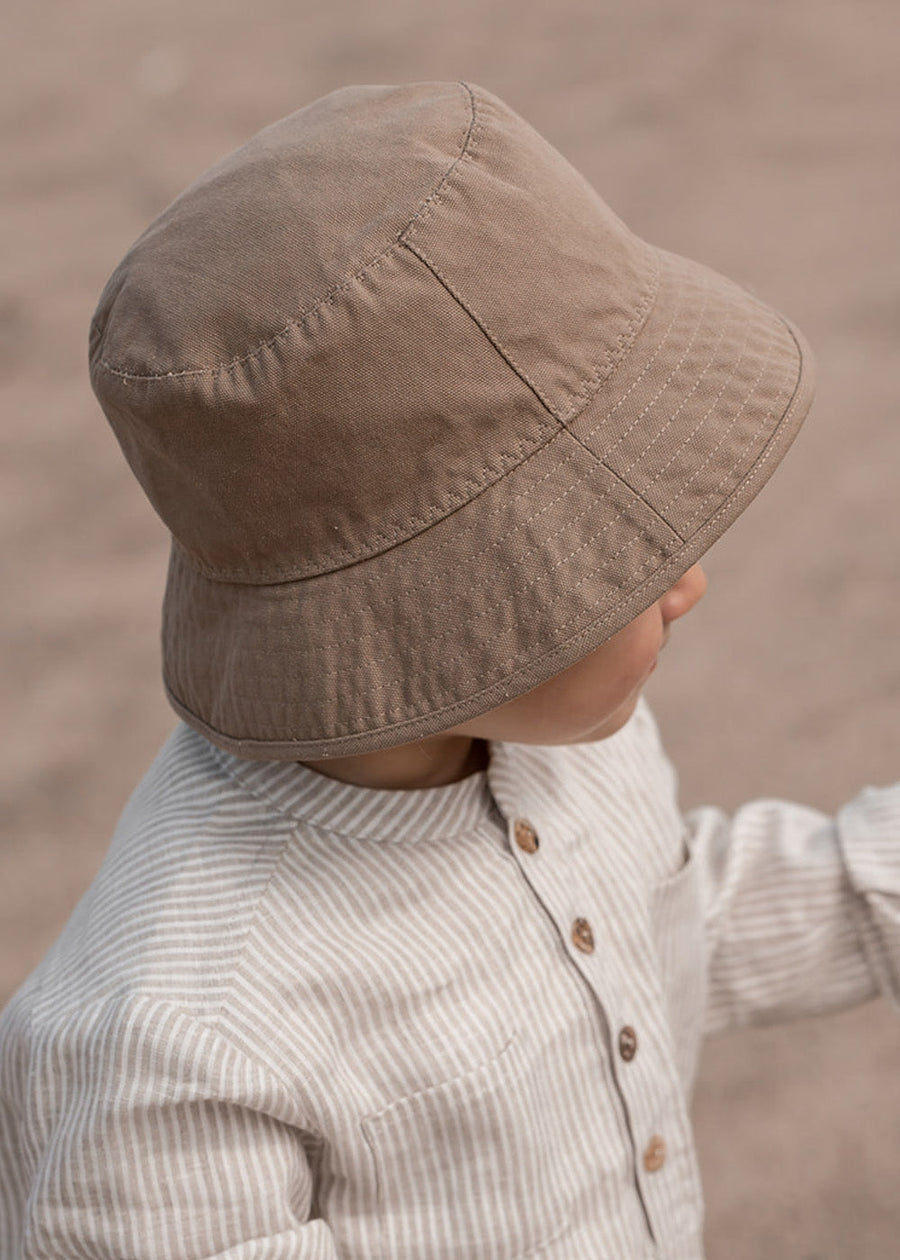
802 911
131 1130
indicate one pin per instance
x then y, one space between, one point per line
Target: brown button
526 836
627 1043
655 1154
582 936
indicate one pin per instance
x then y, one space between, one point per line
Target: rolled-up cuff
869 830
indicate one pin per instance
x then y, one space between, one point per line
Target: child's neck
432 762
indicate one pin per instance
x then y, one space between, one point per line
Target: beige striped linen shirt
294 1018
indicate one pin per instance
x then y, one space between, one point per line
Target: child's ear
681 598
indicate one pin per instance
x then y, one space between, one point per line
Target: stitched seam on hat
640 376
647 367
588 385
221 369
664 509
622 479
305 315
743 407
353 736
466 153
703 419
606 369
716 489
415 584
657 558
661 512
480 526
766 455
687 397
522 451
456 705
439 578
660 552
480 323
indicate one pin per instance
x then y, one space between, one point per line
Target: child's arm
802 910
148 1134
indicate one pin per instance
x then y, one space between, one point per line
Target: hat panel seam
765 362
298 322
302 319
480 323
373 583
417 587
617 356
608 560
473 489
632 489
648 366
633 596
692 546
587 386
466 154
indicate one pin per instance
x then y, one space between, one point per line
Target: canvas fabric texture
426 420
297 1018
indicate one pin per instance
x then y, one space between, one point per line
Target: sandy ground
761 138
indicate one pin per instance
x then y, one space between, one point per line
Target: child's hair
426 421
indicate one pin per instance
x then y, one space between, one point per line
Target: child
402 948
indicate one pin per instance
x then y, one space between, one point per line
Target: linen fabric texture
427 422
295 1018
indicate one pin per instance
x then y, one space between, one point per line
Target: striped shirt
297 1019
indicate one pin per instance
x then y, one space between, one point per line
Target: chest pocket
465 1168
676 912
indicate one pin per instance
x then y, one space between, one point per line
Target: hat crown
357 321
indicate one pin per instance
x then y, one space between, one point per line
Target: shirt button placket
583 936
628 1043
654 1154
525 836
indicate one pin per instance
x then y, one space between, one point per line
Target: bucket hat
426 421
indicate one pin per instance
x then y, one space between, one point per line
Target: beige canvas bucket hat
426 421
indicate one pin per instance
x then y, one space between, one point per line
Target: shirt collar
539 784
366 813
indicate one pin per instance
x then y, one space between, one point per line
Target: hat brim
525 579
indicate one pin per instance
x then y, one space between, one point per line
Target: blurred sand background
759 137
